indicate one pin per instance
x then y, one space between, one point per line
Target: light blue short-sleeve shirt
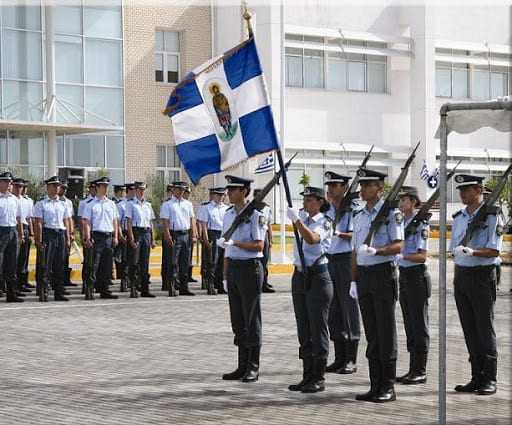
414 243
53 212
392 230
179 212
101 214
253 229
140 212
340 245
489 237
10 209
314 253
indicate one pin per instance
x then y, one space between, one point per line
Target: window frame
165 54
167 169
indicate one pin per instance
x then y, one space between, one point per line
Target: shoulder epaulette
230 208
355 212
457 214
205 203
89 200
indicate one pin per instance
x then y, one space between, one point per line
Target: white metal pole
282 202
50 89
442 270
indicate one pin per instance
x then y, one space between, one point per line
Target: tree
304 180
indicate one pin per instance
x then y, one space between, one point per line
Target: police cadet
67 270
52 234
81 205
374 270
344 324
101 236
267 248
166 269
312 289
19 187
11 233
179 222
193 240
415 289
210 217
119 200
475 284
243 278
139 218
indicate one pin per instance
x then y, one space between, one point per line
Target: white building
357 75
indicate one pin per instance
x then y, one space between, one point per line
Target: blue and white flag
424 174
221 113
266 166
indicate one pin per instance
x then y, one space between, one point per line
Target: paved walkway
159 361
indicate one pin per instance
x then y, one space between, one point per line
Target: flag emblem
221 113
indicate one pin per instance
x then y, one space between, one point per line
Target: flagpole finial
247 16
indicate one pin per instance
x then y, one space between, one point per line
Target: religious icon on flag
221 113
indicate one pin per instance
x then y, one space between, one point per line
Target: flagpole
247 17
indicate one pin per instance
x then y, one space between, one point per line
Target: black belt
416 268
246 261
7 228
104 234
319 268
471 269
387 264
180 232
217 232
48 229
339 255
141 229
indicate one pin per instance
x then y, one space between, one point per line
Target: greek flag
266 166
424 174
221 113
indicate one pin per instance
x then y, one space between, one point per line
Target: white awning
67 128
334 147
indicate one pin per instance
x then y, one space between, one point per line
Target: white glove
293 214
463 250
467 251
220 242
353 290
225 285
365 250
399 257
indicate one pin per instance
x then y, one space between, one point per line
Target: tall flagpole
247 17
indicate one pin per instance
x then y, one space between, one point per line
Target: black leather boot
307 370
144 293
239 372
375 379
190 278
386 391
123 285
476 378
317 381
411 363
418 374
253 365
488 384
350 357
12 297
339 356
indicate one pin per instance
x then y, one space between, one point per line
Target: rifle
41 274
423 214
248 209
352 192
487 208
391 200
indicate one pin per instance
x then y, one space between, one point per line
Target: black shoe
487 388
25 289
384 396
20 294
234 376
186 292
348 369
147 295
368 396
14 299
251 375
314 386
60 297
470 387
267 289
414 379
70 284
191 279
221 291
108 296
400 379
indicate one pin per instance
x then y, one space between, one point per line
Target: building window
168 163
469 81
167 56
323 68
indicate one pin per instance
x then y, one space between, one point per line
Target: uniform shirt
10 209
121 210
489 237
179 212
101 214
52 211
252 230
321 225
267 213
140 212
212 213
69 205
414 243
81 205
27 206
340 245
391 231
